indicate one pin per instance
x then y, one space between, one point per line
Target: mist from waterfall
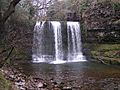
49 44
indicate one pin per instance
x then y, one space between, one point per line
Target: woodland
100 28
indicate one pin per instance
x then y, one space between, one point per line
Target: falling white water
74 50
37 57
58 42
48 43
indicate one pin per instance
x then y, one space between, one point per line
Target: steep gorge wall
102 20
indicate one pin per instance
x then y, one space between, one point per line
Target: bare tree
3 18
41 7
9 11
6 15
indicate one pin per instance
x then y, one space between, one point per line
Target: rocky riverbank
83 78
20 81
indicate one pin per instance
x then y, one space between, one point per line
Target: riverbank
44 78
4 83
73 76
70 76
104 53
13 79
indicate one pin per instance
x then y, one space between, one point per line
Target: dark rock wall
101 21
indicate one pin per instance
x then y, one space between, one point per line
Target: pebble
22 88
67 88
40 85
44 85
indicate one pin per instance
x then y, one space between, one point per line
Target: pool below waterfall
79 76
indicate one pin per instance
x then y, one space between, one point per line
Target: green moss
109 53
117 6
4 84
108 47
95 53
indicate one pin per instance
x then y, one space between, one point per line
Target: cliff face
104 15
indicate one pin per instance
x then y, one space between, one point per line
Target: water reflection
83 74
71 70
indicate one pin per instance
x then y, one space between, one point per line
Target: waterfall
37 41
74 50
58 42
48 42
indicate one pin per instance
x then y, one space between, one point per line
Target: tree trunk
5 16
2 31
10 10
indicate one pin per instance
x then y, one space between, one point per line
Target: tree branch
10 10
4 61
4 51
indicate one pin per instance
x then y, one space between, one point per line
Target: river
79 76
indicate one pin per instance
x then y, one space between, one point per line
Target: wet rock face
100 15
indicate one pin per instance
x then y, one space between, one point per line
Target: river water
79 76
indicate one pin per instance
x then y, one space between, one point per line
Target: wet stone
44 85
40 85
67 88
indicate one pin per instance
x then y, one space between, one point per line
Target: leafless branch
10 10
